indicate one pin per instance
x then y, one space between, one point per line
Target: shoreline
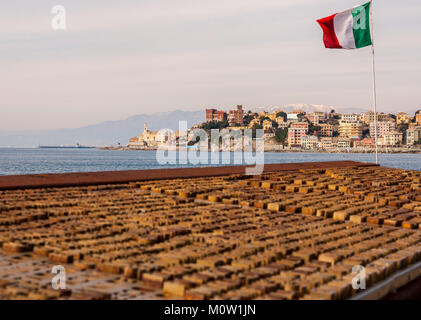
336 151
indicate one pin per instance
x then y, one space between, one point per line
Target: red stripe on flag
329 36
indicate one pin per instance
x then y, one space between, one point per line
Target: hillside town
314 131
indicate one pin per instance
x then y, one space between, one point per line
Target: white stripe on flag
344 23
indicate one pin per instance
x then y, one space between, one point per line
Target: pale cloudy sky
120 58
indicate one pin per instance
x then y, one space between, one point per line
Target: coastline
278 150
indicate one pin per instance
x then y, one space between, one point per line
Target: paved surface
282 235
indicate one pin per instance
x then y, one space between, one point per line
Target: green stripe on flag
361 26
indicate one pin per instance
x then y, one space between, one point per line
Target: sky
121 58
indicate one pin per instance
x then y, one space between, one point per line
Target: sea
15 161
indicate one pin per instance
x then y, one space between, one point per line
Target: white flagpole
374 83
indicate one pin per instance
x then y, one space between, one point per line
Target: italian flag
349 29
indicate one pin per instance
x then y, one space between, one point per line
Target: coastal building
321 115
350 117
344 143
368 117
134 143
393 138
326 130
150 138
210 114
292 116
163 136
309 142
326 143
296 132
348 129
236 116
383 128
267 125
413 136
402 118
314 118
215 115
148 135
233 117
364 143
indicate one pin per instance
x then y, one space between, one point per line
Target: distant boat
77 146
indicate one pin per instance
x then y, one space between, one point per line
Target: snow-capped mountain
308 108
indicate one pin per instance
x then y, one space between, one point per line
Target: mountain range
102 134
308 108
112 132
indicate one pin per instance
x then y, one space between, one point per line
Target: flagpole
374 82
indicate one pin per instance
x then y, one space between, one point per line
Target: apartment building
309 142
348 129
326 130
292 116
236 116
152 138
364 143
350 117
344 143
296 132
326 143
402 118
383 128
393 138
368 117
321 115
413 135
215 115
316 117
267 125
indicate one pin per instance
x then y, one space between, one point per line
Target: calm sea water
31 161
